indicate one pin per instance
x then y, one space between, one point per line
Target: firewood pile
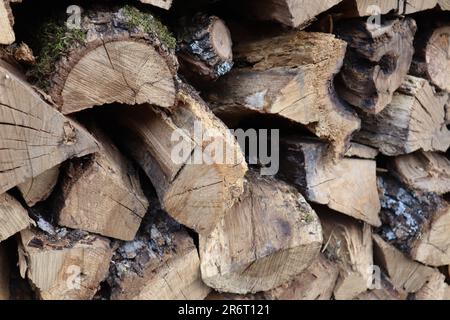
230 150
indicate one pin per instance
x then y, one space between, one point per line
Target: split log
269 237
435 289
296 14
291 76
34 137
414 120
124 56
348 186
444 4
377 60
66 266
194 162
361 151
348 243
432 58
6 23
164 4
39 188
4 274
417 224
385 292
362 8
101 194
204 47
13 217
404 273
161 264
423 171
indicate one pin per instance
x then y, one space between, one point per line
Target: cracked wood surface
169 147
266 239
39 188
13 217
290 75
102 194
348 186
64 269
34 137
414 120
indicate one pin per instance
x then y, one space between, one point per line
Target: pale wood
414 120
291 76
115 62
53 265
39 188
196 195
404 273
293 13
378 58
425 171
435 289
34 136
265 240
444 4
13 217
6 22
386 292
362 8
167 267
361 151
348 185
349 244
4 274
164 4
102 194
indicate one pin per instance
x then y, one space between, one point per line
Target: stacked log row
120 178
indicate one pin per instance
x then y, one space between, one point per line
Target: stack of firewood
98 99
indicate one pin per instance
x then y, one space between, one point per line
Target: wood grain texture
39 188
164 4
13 217
265 240
7 35
34 136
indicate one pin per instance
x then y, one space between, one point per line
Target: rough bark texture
265 240
34 137
204 47
124 56
196 179
414 120
68 265
377 60
291 76
348 186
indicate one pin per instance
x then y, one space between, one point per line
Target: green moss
55 40
148 23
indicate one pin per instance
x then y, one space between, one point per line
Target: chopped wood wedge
265 240
361 8
435 289
6 23
34 137
348 186
414 120
385 292
39 188
13 217
164 4
290 75
67 267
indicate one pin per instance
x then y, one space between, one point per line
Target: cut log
385 292
164 4
204 47
4 274
362 8
64 267
315 283
39 188
269 237
125 56
404 273
297 14
432 58
444 4
435 289
34 137
102 194
194 162
377 60
348 243
348 186
13 217
414 120
161 264
6 23
291 76
423 171
361 151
